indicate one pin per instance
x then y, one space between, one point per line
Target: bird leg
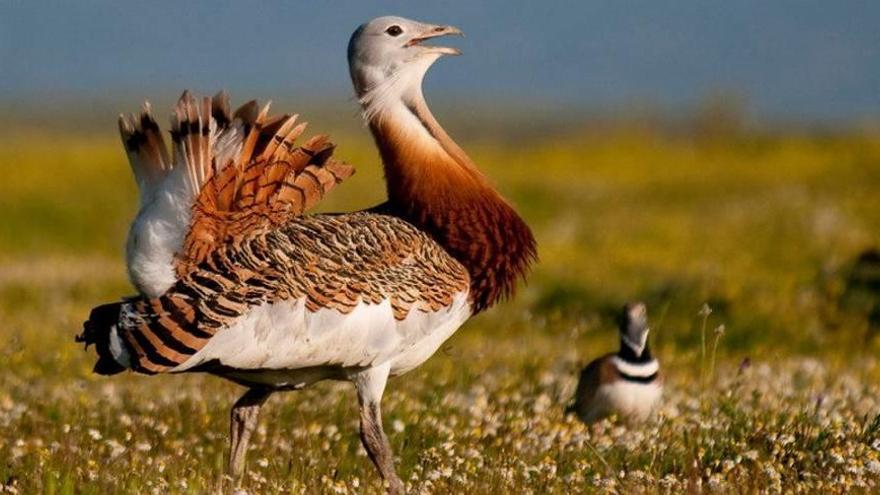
243 419
370 385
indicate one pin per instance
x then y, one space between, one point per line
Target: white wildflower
116 448
705 310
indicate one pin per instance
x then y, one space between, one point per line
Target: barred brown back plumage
327 261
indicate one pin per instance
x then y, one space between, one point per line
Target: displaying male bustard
236 281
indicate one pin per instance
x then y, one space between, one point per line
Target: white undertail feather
157 234
169 189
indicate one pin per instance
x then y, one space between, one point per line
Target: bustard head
388 59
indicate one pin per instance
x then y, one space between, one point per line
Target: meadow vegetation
763 228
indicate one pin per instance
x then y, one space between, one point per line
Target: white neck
397 101
386 94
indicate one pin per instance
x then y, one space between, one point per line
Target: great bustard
626 383
234 280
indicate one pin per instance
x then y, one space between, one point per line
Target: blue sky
813 60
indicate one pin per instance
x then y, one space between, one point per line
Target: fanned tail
205 136
270 182
227 174
146 150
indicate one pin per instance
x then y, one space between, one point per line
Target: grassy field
761 228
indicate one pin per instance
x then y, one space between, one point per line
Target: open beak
436 32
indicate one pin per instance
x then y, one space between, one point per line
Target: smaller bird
626 383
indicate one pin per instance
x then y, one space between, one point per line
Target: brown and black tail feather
145 147
96 330
246 175
220 109
270 181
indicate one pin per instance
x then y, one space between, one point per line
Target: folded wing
361 275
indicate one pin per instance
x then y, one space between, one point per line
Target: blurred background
687 153
786 61
679 153
692 154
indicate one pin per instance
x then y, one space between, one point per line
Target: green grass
762 228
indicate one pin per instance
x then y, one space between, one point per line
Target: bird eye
394 30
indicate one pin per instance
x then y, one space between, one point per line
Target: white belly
286 345
629 400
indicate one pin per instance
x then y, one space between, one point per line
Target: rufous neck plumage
431 181
433 184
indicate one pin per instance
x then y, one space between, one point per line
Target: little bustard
626 383
235 280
